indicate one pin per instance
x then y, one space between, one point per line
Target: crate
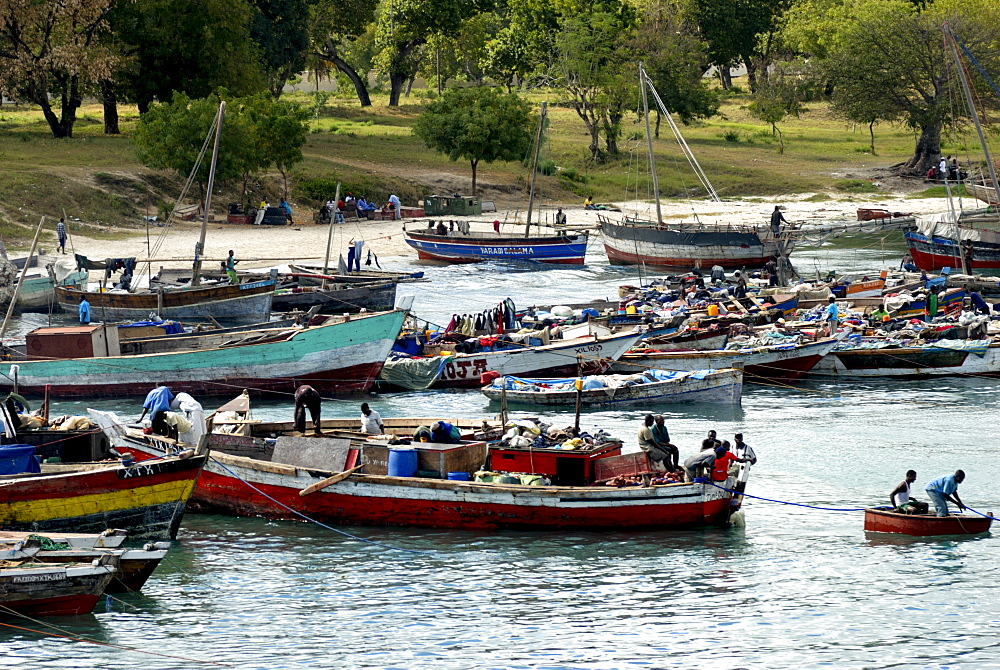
563 467
628 465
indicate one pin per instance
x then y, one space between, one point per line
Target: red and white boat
260 487
582 355
924 525
784 362
60 589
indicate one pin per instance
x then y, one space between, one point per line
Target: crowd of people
713 459
352 206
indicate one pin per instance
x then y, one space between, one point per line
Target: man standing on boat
777 218
231 268
943 489
306 397
560 217
771 268
832 317
157 403
84 311
371 421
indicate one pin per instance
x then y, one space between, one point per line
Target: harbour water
796 587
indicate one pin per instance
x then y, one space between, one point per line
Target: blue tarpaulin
18 458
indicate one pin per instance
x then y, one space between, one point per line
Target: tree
777 97
258 132
740 30
525 42
893 51
281 30
53 51
190 47
595 62
477 124
335 25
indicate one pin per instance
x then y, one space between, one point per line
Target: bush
318 189
547 168
732 136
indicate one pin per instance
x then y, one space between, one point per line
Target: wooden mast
199 248
534 167
649 144
329 236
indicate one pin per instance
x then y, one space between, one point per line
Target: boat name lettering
44 577
505 251
589 348
140 470
256 284
461 369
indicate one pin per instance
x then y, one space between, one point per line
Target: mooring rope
782 502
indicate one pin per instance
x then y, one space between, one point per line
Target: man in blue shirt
943 489
84 311
156 404
832 317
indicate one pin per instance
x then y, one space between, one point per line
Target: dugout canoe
925 525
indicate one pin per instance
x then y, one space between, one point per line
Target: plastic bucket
459 476
713 310
402 462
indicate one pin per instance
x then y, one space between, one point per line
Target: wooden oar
329 481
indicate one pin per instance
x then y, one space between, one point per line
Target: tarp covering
595 381
942 224
414 374
18 458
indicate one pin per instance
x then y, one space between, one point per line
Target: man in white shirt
371 421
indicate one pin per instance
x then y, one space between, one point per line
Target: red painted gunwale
923 525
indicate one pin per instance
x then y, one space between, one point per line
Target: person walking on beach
943 489
61 232
231 268
306 397
371 421
84 311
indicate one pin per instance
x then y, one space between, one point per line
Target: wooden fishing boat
563 248
62 589
313 274
783 362
875 214
982 192
249 301
336 298
135 566
925 525
341 354
715 386
689 340
146 500
588 355
265 487
37 293
979 358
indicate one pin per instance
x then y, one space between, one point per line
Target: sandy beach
265 246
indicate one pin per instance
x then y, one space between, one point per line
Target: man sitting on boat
662 438
943 489
653 448
371 421
901 500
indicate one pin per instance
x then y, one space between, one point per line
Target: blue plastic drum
402 462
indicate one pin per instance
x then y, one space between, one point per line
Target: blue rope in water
783 502
311 520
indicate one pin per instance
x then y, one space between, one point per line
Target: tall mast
649 144
967 92
534 166
329 232
199 248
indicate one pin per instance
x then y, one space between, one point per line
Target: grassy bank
97 179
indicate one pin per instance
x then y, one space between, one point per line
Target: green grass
372 150
957 190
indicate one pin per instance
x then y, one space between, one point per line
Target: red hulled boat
923 525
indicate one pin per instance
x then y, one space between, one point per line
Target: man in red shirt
723 457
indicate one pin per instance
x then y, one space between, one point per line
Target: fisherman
777 218
741 286
943 489
832 317
907 264
231 268
61 232
662 438
84 311
742 447
156 404
771 268
979 306
879 315
718 273
723 458
560 217
177 424
694 466
306 397
371 421
443 432
190 409
901 500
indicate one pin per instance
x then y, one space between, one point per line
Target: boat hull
342 357
909 362
589 355
350 299
719 386
250 301
560 249
56 590
676 249
145 499
934 254
38 293
702 341
924 525
773 363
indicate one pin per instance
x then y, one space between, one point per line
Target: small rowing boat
925 525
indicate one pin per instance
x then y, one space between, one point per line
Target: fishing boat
60 589
879 520
978 358
472 246
649 387
982 192
265 486
689 339
336 298
135 566
145 499
316 274
340 354
780 362
37 289
586 355
251 301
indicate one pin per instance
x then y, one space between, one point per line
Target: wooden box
567 468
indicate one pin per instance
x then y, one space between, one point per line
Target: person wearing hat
443 432
723 458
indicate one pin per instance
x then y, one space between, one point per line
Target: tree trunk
396 82
474 165
110 100
409 86
725 77
50 117
656 133
871 132
751 74
330 53
927 151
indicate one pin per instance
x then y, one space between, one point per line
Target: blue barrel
402 462
459 476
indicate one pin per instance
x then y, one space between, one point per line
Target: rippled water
794 588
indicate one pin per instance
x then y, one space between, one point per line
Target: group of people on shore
714 458
357 206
